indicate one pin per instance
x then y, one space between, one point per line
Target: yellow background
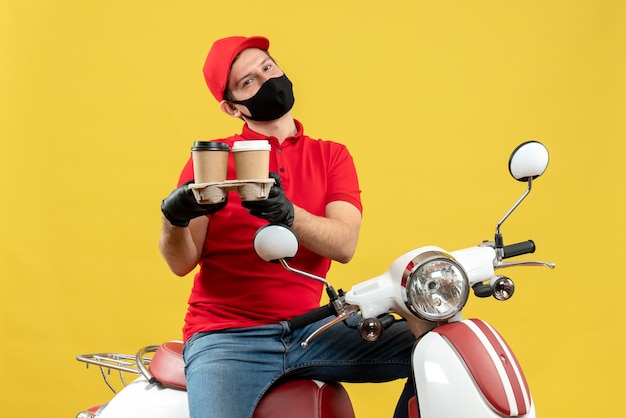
100 102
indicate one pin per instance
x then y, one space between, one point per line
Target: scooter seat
298 398
305 399
167 365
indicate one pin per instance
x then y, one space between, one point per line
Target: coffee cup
252 159
210 161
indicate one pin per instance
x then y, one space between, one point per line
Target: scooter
461 367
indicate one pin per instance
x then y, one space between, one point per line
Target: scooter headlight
435 286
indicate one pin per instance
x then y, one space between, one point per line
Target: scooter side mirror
528 161
275 242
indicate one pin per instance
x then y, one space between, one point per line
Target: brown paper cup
210 161
252 159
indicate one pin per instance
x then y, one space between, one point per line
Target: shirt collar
248 133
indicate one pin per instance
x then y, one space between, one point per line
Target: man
237 338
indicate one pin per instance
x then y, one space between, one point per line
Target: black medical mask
273 100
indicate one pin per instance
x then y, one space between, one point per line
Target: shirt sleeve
343 180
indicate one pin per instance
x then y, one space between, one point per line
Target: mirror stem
302 273
506 215
499 241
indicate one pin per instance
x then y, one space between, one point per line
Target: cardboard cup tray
253 189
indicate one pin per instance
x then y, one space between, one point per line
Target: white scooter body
463 368
142 399
459 371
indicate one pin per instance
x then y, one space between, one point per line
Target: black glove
181 206
276 208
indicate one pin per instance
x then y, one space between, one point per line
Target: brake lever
505 264
346 313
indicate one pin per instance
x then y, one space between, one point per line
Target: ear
230 109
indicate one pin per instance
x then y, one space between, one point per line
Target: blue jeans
228 371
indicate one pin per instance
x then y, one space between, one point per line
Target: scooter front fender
142 399
466 369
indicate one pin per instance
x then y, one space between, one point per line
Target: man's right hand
181 206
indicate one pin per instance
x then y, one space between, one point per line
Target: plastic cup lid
210 146
252 145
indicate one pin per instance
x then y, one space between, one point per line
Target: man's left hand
276 208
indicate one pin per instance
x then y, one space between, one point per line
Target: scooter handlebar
311 317
525 247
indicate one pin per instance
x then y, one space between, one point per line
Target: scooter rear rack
123 363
